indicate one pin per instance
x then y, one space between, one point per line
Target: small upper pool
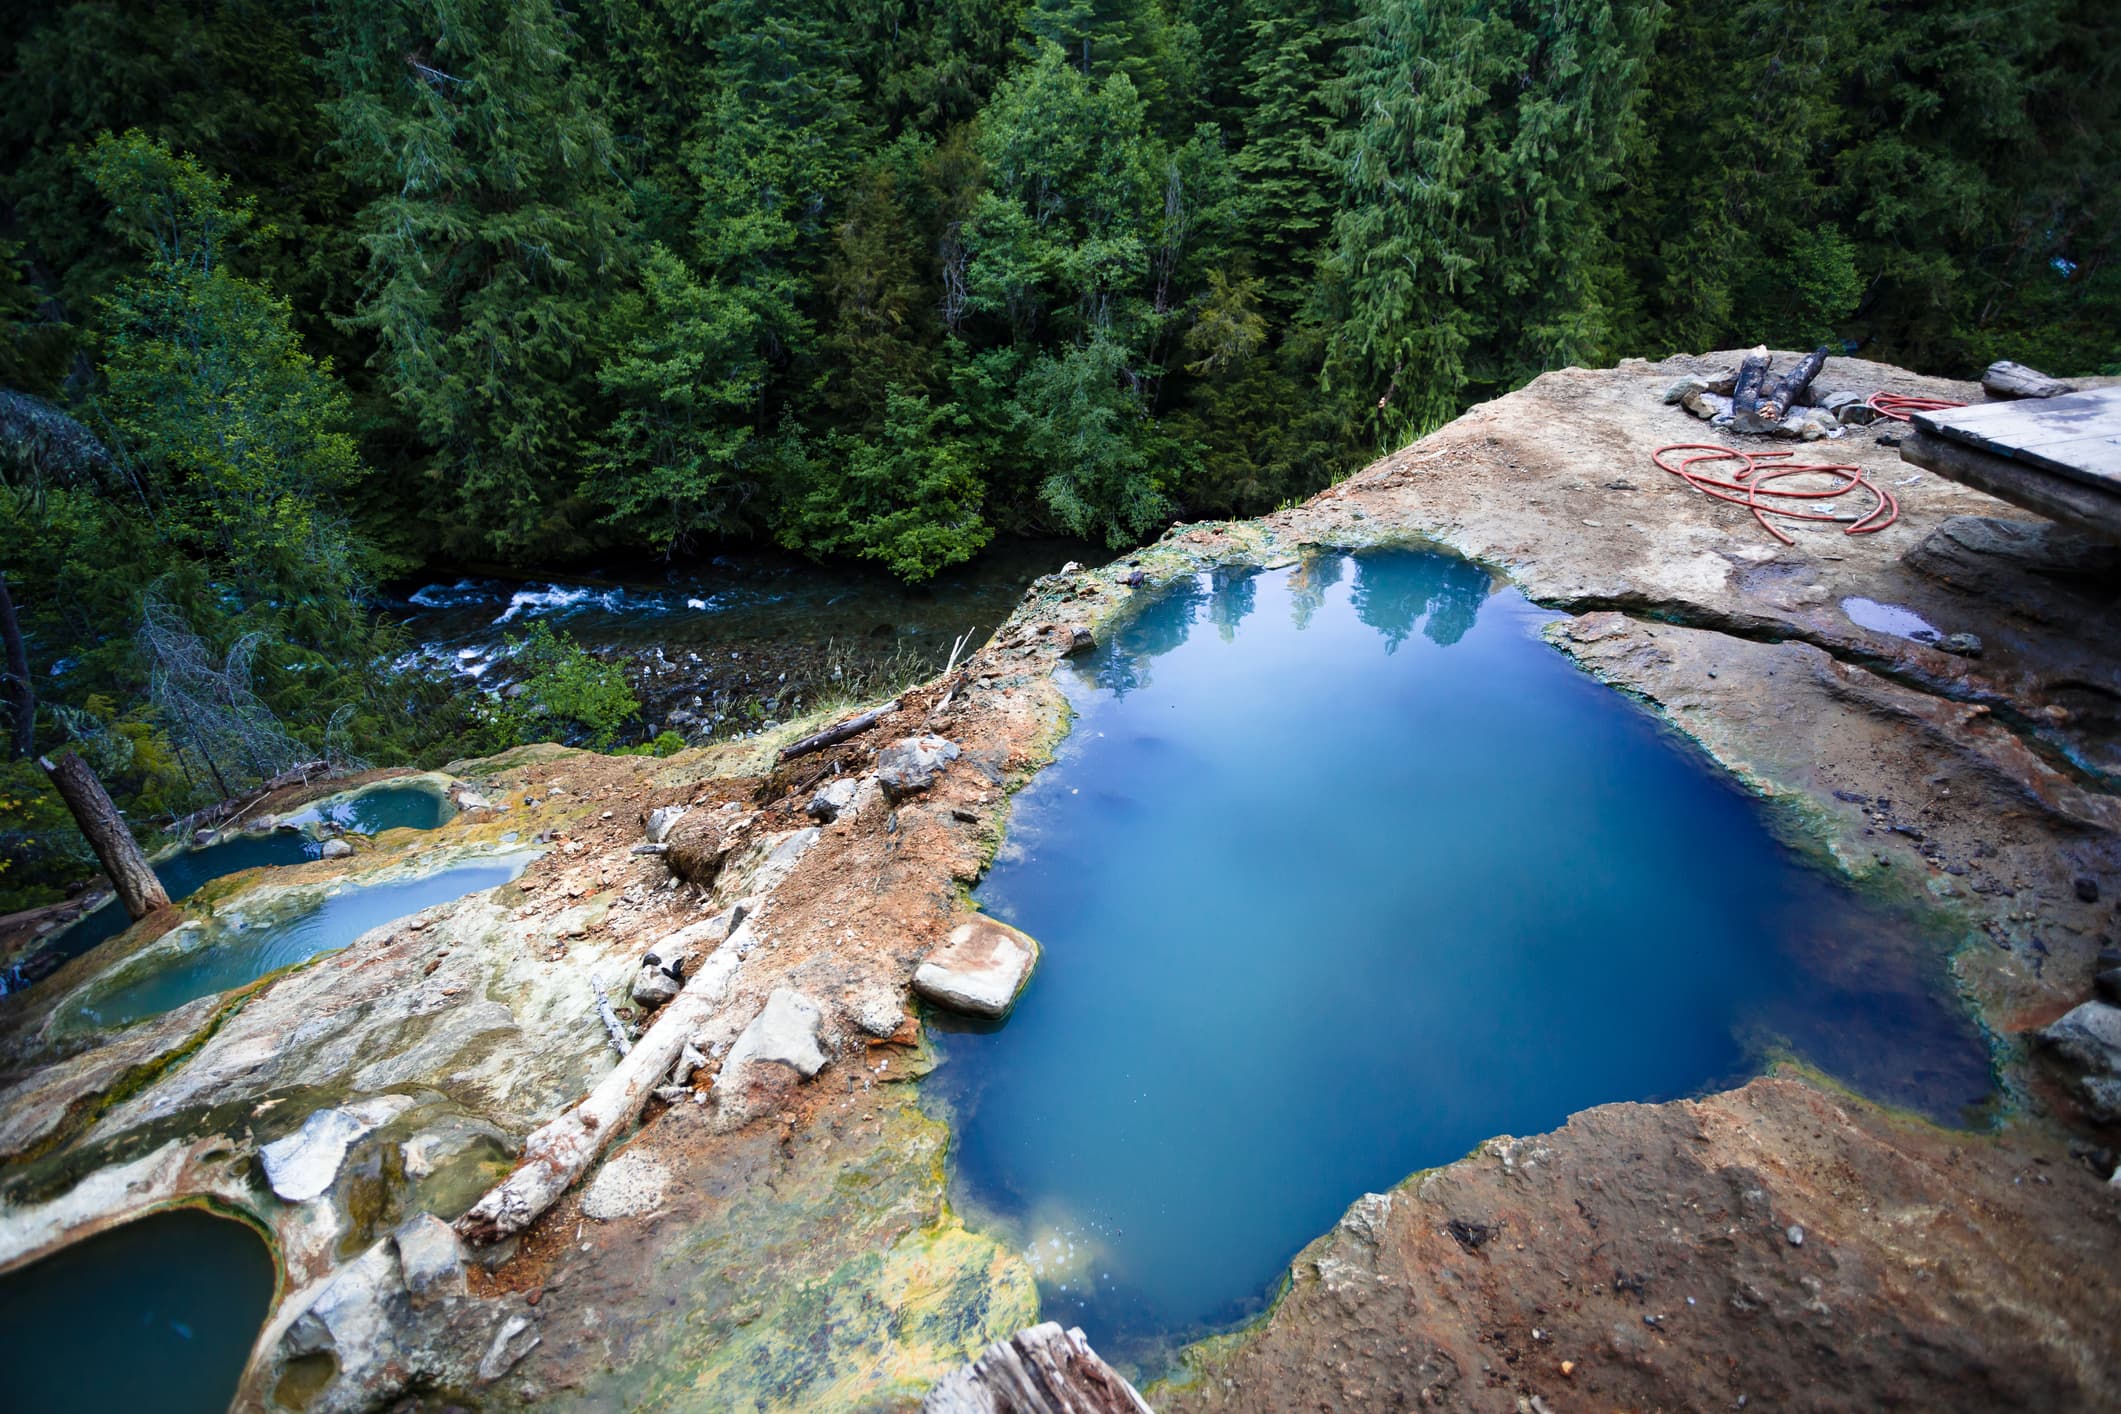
157 1316
1342 870
186 871
233 951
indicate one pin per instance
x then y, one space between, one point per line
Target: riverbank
777 1242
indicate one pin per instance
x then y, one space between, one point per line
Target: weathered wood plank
2073 502
2005 379
2065 435
1039 1370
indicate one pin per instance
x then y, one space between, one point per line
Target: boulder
431 1258
831 799
911 764
1080 640
335 849
785 1033
2088 1040
302 1165
980 969
661 819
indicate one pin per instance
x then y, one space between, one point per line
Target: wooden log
2005 379
619 1040
833 735
1751 382
138 888
561 1151
1041 1370
1787 392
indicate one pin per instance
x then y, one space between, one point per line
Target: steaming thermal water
155 1317
234 952
1342 871
187 871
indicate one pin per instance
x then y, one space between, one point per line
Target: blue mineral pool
1341 871
156 1317
187 871
235 952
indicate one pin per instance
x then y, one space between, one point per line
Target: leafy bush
565 685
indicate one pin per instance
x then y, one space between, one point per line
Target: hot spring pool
1340 871
155 1317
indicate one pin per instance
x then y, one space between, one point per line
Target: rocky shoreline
768 1238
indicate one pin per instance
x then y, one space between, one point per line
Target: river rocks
303 1165
911 764
980 969
334 849
2088 1041
431 1259
662 820
628 1186
831 798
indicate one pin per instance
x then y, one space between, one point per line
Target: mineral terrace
773 1234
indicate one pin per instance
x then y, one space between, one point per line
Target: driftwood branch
833 735
1040 1370
558 1153
610 1018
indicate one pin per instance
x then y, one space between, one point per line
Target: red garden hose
1748 486
1900 407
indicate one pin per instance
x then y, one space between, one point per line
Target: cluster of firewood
1753 398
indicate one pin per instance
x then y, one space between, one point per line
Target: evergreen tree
493 247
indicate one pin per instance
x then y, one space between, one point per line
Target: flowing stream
1340 871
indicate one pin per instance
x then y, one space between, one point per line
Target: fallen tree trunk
1787 391
559 1152
833 735
2005 379
1040 1370
138 888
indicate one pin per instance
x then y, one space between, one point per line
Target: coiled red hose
1901 407
1748 486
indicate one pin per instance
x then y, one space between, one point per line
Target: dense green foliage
336 290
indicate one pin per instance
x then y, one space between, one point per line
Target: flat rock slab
304 1164
980 969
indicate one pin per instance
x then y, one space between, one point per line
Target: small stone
662 819
831 800
2087 889
2108 985
335 849
1080 640
785 1032
1795 1234
1962 645
980 969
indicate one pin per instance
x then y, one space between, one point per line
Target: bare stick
610 1018
833 735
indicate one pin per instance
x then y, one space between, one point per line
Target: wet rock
662 820
431 1259
911 764
334 849
2087 888
350 1317
302 1165
1962 645
2088 1041
628 1186
980 969
1080 640
831 799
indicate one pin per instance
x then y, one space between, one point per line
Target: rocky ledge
770 1232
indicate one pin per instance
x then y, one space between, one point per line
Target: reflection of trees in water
1157 629
1308 584
1232 595
1393 594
